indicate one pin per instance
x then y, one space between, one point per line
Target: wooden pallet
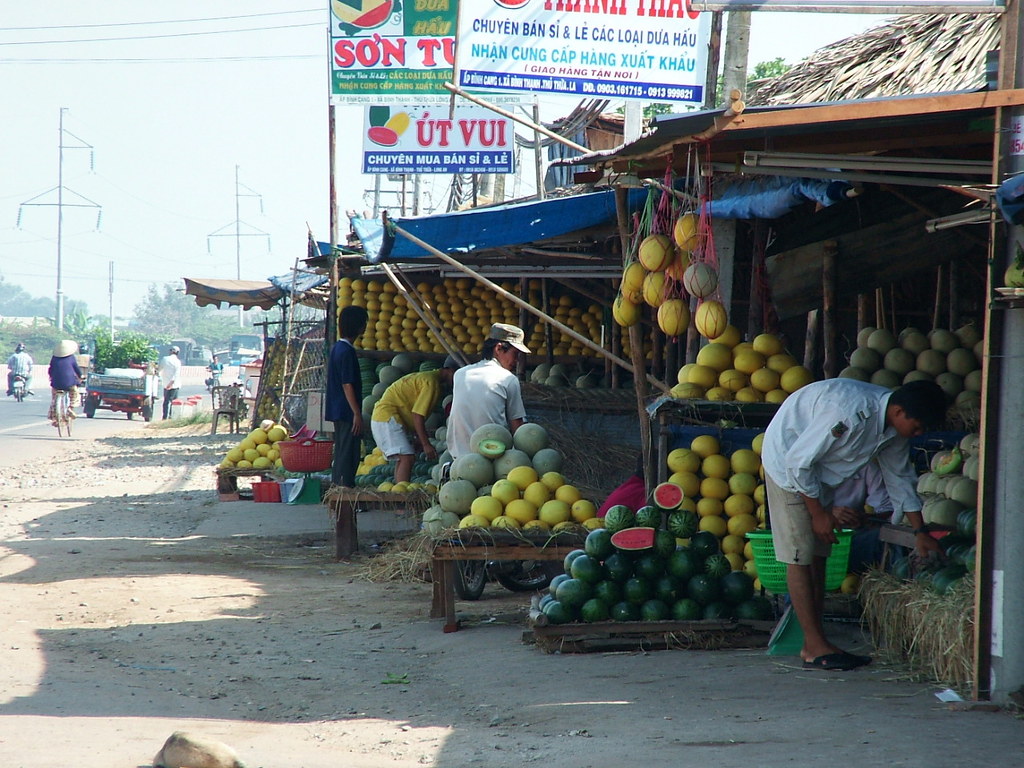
705 635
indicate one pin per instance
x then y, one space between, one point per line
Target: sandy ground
132 609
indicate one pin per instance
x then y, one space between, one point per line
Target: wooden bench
495 545
345 504
227 481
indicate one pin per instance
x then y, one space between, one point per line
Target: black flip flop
841 662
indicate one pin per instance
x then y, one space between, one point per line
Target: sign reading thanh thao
427 140
652 50
391 51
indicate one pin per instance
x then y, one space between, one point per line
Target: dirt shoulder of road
124 621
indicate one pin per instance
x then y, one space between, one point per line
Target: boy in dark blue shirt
345 396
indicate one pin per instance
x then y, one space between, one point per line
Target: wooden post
636 350
954 296
863 310
549 337
828 317
940 276
811 340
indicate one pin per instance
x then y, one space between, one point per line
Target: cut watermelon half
668 496
633 538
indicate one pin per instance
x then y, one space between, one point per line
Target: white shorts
391 438
792 536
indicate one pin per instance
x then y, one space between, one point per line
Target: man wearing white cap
488 392
169 369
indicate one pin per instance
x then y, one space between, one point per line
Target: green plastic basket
772 573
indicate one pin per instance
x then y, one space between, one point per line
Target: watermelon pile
668 581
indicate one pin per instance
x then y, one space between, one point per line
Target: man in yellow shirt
401 414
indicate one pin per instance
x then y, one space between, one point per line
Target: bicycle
63 415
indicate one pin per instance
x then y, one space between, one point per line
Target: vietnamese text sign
391 51
888 7
652 50
425 140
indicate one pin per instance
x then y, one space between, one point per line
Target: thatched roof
923 53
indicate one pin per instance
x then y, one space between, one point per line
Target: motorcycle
516 575
18 387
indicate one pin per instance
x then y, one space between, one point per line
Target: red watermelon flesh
634 538
668 496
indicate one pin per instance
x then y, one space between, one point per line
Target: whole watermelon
648 517
717 565
619 518
682 523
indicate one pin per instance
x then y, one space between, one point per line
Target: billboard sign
889 7
427 140
396 51
651 50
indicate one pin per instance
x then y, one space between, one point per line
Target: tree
166 313
773 68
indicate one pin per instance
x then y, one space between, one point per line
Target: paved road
25 429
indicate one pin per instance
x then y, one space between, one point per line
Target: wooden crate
704 635
488 544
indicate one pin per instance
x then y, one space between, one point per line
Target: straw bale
932 633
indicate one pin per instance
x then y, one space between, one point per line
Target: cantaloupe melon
943 341
490 432
881 341
477 469
511 459
530 438
853 372
866 359
548 460
700 280
456 496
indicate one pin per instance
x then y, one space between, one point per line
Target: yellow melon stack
752 372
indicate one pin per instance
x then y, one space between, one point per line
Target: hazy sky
169 108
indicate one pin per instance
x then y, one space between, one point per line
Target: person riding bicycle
65 376
19 364
216 368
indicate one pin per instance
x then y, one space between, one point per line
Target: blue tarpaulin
497 226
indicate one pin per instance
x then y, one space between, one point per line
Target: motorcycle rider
19 364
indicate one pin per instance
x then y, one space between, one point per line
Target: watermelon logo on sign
385 128
511 4
363 14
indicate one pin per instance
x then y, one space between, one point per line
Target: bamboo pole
828 316
427 315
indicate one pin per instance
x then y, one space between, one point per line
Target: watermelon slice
634 538
668 496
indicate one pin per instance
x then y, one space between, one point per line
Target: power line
160 21
158 37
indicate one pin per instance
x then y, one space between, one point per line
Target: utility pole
999 590
238 234
110 294
737 51
82 202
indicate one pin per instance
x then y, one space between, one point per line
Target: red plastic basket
306 455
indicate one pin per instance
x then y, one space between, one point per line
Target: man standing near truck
170 377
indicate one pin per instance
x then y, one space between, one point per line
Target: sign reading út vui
424 139
652 50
